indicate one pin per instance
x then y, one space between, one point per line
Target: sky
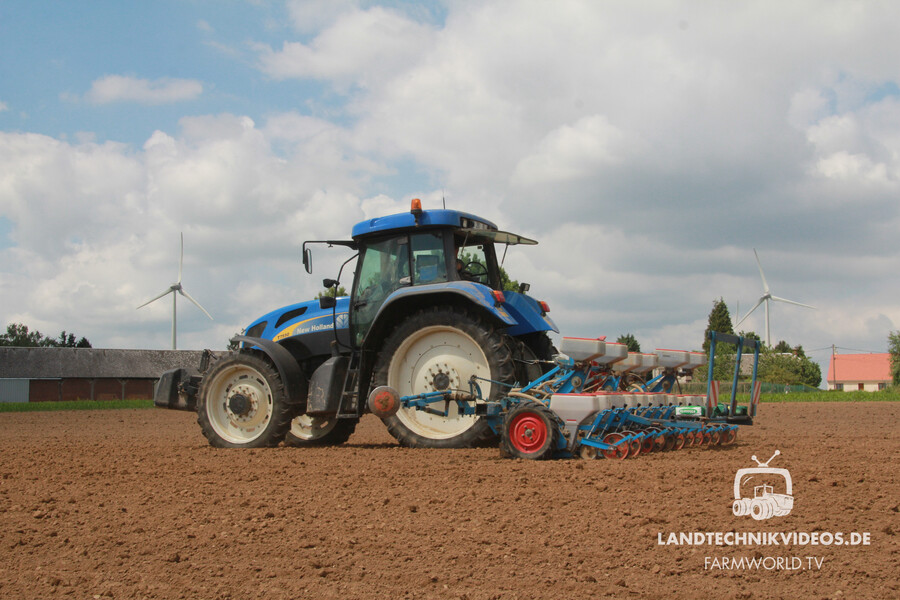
648 146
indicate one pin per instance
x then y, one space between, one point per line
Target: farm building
53 374
864 372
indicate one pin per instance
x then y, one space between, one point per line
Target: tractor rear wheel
242 403
528 367
440 349
307 430
542 347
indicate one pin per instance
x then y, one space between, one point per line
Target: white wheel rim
309 428
250 383
416 363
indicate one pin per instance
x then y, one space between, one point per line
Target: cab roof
427 218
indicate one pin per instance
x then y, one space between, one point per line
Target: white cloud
308 16
120 88
3 106
361 47
574 151
95 229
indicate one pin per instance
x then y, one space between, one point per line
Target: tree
719 321
782 347
507 284
630 341
788 369
894 349
68 341
18 334
332 292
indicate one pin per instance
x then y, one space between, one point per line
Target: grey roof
91 363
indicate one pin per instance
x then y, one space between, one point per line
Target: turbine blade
792 302
181 258
761 274
169 290
197 304
755 306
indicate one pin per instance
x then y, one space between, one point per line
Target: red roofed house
851 372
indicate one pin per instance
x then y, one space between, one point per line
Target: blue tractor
427 313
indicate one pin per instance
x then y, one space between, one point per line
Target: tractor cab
424 252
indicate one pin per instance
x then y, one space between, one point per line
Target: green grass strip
822 396
73 405
833 396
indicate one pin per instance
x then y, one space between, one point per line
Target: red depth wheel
647 444
670 442
530 431
659 441
634 446
620 451
679 441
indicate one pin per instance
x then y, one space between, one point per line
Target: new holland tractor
426 313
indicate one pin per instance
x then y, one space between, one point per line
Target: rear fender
405 301
529 315
479 295
291 374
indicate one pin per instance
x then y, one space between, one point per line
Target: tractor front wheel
307 430
242 403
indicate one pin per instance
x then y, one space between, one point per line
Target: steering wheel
474 273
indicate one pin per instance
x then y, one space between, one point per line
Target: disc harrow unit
578 409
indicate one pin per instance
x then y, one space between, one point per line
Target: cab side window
429 261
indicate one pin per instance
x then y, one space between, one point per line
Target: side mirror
327 302
307 260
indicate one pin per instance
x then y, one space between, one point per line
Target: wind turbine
767 295
172 289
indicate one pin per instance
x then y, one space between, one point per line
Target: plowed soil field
135 504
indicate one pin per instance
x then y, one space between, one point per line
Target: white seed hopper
695 359
672 359
614 353
648 363
629 363
583 349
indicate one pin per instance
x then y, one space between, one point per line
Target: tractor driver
460 266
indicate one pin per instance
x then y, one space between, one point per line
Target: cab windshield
476 260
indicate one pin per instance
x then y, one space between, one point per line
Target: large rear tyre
307 430
527 366
440 349
529 431
242 403
542 347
